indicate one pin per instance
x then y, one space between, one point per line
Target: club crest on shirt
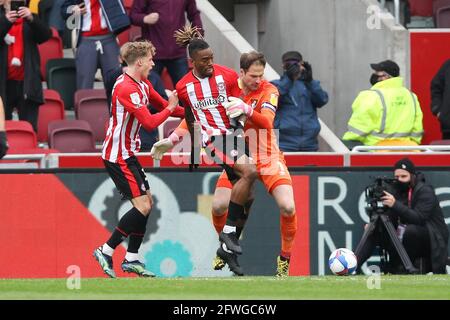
136 99
221 86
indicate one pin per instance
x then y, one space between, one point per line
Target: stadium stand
71 136
61 76
94 110
51 49
20 135
441 11
52 109
169 126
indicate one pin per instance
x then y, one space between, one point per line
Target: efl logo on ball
342 262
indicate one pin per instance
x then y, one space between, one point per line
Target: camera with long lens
375 192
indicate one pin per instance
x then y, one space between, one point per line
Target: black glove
293 71
3 144
307 73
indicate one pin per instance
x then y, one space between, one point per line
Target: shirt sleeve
159 103
132 102
269 103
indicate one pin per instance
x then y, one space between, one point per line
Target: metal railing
42 158
422 148
396 9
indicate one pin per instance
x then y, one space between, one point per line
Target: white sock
107 250
229 229
131 256
224 247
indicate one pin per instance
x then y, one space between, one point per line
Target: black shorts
129 177
226 150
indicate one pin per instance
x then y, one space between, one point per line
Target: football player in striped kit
204 91
132 93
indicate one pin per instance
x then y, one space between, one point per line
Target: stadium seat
445 142
96 112
88 93
52 94
20 135
61 76
169 126
52 109
423 8
441 11
167 80
128 3
131 34
51 49
71 136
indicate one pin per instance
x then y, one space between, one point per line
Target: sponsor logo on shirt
209 103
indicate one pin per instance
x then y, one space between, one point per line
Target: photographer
300 96
419 220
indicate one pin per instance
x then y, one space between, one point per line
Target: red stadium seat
441 10
52 94
169 126
88 93
51 49
167 80
423 8
128 3
96 112
20 136
131 34
445 142
71 136
52 109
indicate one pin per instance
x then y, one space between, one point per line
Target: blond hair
132 51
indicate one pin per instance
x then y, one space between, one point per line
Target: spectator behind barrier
159 20
20 77
300 96
96 44
388 111
440 98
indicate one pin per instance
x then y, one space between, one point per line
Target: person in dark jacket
440 98
300 97
159 20
419 220
20 77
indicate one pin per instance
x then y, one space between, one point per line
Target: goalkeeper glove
162 146
236 107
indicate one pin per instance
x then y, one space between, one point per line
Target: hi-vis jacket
386 111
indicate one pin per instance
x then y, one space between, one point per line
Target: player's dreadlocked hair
191 38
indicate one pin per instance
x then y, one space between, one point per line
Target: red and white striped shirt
94 23
128 112
205 97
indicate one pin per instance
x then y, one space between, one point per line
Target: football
342 262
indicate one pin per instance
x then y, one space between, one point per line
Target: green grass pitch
258 288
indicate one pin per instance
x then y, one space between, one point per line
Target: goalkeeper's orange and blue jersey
259 129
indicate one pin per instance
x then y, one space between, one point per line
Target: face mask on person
374 79
403 186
